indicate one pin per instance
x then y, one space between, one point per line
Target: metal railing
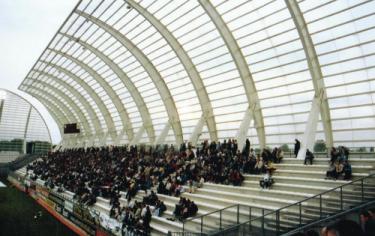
246 220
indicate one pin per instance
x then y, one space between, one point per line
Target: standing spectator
246 149
297 146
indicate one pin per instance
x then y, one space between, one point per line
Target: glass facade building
21 123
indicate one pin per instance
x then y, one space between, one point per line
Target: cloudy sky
26 27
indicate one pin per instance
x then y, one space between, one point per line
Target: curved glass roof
20 120
133 71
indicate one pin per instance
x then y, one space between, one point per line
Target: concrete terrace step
318 167
325 161
299 180
299 189
257 191
260 196
309 173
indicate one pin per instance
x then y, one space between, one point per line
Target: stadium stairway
294 182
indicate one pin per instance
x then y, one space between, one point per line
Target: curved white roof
132 71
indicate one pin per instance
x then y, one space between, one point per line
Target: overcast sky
26 27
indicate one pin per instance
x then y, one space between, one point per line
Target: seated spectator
159 208
235 178
185 209
267 181
150 199
334 155
309 157
270 168
347 170
331 172
279 155
336 170
259 167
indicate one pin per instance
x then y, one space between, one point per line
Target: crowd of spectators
339 166
111 171
185 209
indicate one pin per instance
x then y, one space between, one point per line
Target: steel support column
244 128
242 67
197 131
189 66
163 135
314 68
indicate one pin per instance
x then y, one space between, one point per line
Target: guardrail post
262 221
362 191
320 207
238 213
201 224
341 200
220 219
250 218
300 214
277 222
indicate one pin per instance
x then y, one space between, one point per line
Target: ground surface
17 211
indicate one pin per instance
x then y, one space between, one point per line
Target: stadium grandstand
201 117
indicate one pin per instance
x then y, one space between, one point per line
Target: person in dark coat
297 146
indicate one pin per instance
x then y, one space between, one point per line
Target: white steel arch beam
76 109
102 107
56 114
134 92
242 67
189 66
314 68
82 118
56 109
154 74
79 97
121 110
64 118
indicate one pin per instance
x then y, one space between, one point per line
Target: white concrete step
325 161
309 173
319 167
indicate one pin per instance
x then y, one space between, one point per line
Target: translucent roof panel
343 35
20 120
131 68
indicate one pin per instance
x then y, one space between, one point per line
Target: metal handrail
356 208
277 212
